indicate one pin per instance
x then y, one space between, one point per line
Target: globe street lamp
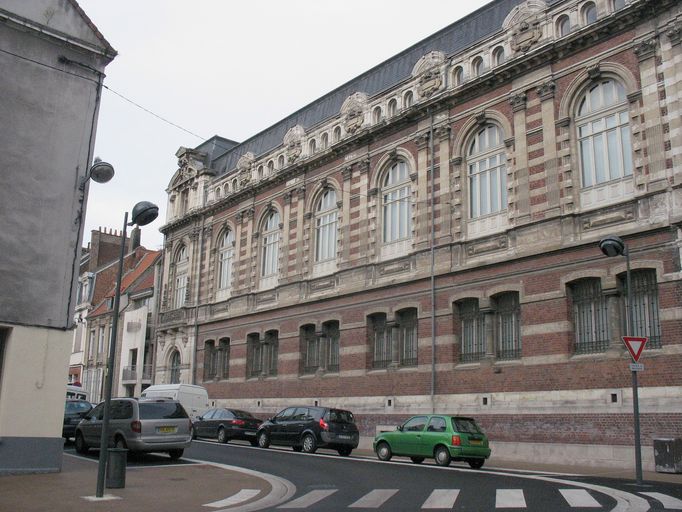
144 212
614 246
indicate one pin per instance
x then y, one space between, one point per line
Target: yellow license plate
475 441
166 430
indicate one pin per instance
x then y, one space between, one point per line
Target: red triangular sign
635 346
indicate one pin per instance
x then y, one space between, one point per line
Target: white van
76 392
193 398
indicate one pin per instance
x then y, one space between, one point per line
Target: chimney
134 239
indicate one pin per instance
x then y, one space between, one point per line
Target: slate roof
451 40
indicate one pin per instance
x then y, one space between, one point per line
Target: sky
226 68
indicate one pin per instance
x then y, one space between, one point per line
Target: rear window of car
465 425
241 414
339 416
76 407
161 411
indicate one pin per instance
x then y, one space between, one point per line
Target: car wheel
442 456
297 448
263 439
176 454
476 463
309 443
384 451
222 435
345 451
417 460
81 445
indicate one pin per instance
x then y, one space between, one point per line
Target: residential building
426 237
52 60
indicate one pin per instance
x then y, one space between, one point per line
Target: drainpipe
196 306
433 265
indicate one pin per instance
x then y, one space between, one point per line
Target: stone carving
293 142
674 32
546 90
646 48
525 24
518 102
353 111
428 68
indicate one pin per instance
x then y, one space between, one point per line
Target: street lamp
614 246
99 172
144 212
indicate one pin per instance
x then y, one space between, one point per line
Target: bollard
116 468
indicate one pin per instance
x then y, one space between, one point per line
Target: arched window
458 76
280 162
392 108
487 172
210 367
589 13
223 362
325 141
376 115
181 269
498 56
396 201
235 184
604 134
618 4
645 305
472 326
507 334
175 367
408 99
225 260
217 192
326 227
271 167
260 172
261 354
563 26
477 66
270 247
337 134
312 147
590 316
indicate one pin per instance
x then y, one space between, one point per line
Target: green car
439 436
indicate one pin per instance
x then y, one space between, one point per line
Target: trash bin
668 455
116 468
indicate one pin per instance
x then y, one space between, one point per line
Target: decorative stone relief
546 90
646 48
428 69
674 32
518 102
244 165
293 142
524 22
353 111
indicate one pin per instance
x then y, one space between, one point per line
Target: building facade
52 60
425 237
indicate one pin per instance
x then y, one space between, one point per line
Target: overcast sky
230 69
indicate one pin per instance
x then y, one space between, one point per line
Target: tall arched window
458 75
498 56
487 172
280 162
324 141
271 167
270 248
337 134
395 194
225 260
563 26
260 172
326 226
376 115
589 13
604 134
312 147
181 269
618 4
477 66
235 184
408 99
392 108
175 367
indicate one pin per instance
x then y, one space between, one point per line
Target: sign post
635 346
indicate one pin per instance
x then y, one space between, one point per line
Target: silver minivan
154 425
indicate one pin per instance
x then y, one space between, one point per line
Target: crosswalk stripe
374 499
579 498
668 502
242 495
309 499
510 498
442 498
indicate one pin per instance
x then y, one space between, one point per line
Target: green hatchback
438 436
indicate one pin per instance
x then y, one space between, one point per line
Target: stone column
549 146
522 186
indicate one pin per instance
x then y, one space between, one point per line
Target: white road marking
106 497
241 496
374 499
442 498
666 501
309 499
579 498
510 498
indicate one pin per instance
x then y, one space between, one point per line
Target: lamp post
144 212
615 246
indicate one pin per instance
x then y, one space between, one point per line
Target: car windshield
76 407
465 425
161 410
241 414
338 416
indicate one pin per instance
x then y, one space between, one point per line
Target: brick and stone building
425 237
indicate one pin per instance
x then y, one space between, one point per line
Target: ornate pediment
353 111
428 69
525 24
293 142
244 165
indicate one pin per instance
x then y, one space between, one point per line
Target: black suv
308 428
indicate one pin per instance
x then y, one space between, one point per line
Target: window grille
224 358
473 331
508 332
175 368
382 349
331 330
311 346
209 361
407 334
589 317
645 308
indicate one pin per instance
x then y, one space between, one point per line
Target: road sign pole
635 394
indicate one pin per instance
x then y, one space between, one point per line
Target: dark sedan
74 410
227 424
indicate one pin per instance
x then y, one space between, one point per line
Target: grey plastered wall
31 455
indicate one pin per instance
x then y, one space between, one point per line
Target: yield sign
635 346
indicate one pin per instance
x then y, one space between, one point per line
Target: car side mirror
399 428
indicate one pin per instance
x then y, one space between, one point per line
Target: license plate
344 436
475 441
166 430
249 433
